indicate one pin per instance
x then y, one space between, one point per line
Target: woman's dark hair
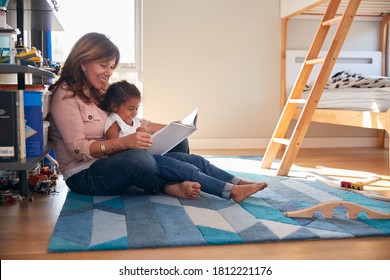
90 47
117 93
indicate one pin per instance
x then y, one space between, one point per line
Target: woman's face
98 73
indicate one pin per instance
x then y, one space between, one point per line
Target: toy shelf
21 70
24 69
23 165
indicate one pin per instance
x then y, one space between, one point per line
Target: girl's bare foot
184 189
245 182
240 192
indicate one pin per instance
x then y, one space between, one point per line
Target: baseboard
262 143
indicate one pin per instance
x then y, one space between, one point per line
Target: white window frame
124 68
132 71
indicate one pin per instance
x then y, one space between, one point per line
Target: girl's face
128 110
98 73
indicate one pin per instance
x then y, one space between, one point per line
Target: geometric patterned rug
134 220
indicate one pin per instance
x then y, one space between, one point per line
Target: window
119 19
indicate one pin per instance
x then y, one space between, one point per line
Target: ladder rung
281 141
315 61
332 21
297 101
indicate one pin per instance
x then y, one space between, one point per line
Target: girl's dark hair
90 47
117 93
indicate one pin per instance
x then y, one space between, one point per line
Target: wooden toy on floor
359 185
327 208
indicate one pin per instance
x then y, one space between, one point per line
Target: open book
172 134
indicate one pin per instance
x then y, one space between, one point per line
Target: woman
77 124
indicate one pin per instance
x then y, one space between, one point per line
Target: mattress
355 99
346 91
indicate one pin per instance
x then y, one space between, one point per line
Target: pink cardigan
74 125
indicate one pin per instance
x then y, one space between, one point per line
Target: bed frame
374 64
365 62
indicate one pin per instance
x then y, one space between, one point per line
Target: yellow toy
26 53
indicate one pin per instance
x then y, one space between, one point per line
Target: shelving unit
34 19
22 166
22 70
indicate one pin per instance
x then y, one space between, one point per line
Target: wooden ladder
291 146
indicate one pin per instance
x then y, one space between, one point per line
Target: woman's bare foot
240 192
184 189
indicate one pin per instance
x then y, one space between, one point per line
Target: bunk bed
375 115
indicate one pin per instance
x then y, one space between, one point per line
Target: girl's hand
144 129
139 140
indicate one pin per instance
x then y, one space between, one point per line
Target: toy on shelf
29 57
51 66
4 58
26 53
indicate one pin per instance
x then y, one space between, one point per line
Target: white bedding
346 91
356 99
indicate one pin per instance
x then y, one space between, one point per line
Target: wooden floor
26 226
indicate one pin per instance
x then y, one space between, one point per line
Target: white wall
288 7
222 56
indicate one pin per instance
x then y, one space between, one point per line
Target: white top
125 128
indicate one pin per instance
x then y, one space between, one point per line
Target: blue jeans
184 167
115 174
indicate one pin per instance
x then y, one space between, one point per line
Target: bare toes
262 185
185 189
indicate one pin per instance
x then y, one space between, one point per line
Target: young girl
122 101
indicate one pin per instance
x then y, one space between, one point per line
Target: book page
191 118
172 134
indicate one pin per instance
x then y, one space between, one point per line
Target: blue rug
134 220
